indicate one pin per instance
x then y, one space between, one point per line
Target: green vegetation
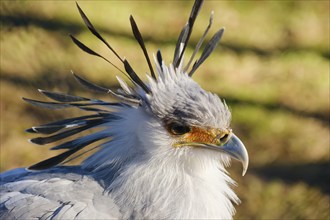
272 68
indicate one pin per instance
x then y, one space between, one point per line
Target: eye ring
178 128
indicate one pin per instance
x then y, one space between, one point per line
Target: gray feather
60 193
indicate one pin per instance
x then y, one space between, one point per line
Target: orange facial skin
203 135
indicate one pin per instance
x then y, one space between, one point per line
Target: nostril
224 138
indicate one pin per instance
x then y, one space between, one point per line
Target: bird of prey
162 150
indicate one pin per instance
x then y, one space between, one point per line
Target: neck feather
180 183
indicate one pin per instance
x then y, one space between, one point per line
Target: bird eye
178 129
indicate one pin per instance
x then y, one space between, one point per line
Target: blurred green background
272 68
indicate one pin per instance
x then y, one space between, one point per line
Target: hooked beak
236 149
233 147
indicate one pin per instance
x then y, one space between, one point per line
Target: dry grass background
272 68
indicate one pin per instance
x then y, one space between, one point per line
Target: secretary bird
164 146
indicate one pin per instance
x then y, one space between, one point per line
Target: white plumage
164 151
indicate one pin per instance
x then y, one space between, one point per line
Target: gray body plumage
163 152
59 193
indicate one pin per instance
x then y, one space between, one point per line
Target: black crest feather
60 130
186 32
207 50
139 39
133 76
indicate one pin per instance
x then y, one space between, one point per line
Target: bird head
184 117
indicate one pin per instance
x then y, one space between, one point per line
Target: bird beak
233 147
236 149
